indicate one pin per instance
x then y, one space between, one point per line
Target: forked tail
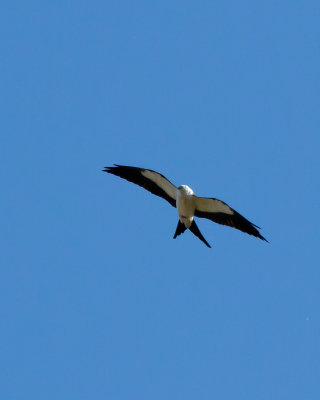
193 228
180 229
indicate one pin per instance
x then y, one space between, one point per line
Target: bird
187 203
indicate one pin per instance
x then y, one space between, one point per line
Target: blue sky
97 300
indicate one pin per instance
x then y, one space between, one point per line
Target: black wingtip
110 169
107 169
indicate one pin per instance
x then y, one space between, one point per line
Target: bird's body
187 203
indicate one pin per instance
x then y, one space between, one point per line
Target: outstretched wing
150 180
219 212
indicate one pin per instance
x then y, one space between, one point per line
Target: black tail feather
180 229
195 230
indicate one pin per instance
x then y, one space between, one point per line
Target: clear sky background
97 300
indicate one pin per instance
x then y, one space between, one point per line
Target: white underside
185 205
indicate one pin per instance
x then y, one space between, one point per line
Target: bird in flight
188 204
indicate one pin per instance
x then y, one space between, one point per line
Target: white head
186 189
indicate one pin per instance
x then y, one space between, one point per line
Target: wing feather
219 212
148 179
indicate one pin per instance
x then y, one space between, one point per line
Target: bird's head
186 189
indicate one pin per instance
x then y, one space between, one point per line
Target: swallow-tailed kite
188 204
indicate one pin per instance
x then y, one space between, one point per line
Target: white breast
185 205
